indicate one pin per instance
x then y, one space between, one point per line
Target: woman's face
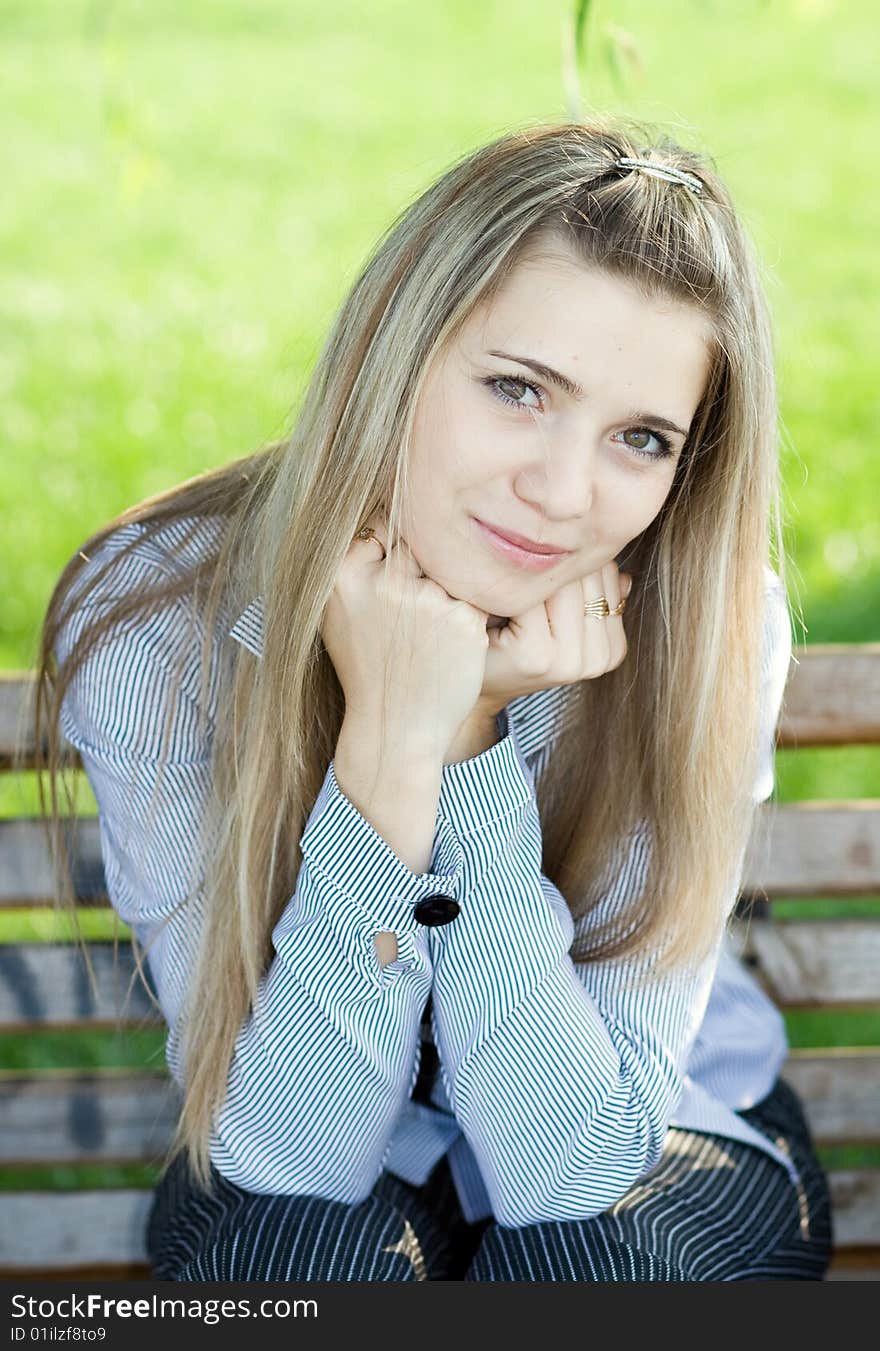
581 469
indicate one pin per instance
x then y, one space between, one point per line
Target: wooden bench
69 1117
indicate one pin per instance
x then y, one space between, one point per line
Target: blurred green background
192 186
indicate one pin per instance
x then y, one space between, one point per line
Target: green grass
79 1177
33 1051
192 189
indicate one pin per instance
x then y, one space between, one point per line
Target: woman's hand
408 655
555 643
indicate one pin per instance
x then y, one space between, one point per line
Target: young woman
432 850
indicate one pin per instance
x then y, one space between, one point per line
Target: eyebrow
577 391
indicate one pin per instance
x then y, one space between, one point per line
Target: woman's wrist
397 794
401 755
477 734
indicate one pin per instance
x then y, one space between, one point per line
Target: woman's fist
556 643
402 647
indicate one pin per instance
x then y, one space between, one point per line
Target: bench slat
815 849
832 698
855 1206
69 1229
48 985
813 963
799 849
26 876
87 1117
16 703
126 1116
801 963
840 1091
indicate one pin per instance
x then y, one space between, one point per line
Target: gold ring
600 609
367 532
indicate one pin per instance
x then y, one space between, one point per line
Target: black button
436 910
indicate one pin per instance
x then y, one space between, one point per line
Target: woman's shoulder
131 561
172 548
133 664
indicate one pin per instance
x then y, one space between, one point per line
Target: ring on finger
367 532
600 609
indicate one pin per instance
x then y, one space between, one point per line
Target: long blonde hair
671 734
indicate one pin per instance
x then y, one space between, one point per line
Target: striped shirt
554 1086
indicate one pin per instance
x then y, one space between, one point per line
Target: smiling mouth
520 541
513 554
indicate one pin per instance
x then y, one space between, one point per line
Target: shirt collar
533 716
248 628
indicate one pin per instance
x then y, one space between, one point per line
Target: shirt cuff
374 890
489 787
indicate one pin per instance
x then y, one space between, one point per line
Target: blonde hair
671 733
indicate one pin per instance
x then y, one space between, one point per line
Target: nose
561 482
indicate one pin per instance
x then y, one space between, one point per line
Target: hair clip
665 171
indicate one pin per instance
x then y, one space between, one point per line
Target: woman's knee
564 1251
248 1236
712 1209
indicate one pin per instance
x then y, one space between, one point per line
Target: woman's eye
663 442
497 382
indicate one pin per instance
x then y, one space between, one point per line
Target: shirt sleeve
562 1079
329 1053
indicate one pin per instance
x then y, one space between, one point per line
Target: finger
597 652
370 547
402 556
612 585
525 643
614 589
565 614
530 630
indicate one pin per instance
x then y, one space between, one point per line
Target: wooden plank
69 1229
815 849
840 1091
26 875
16 714
855 1207
75 1229
137 1271
801 964
797 849
107 1116
124 1115
832 698
812 963
854 1264
48 985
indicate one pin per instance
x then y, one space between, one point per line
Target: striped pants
711 1209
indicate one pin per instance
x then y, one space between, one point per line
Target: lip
511 547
